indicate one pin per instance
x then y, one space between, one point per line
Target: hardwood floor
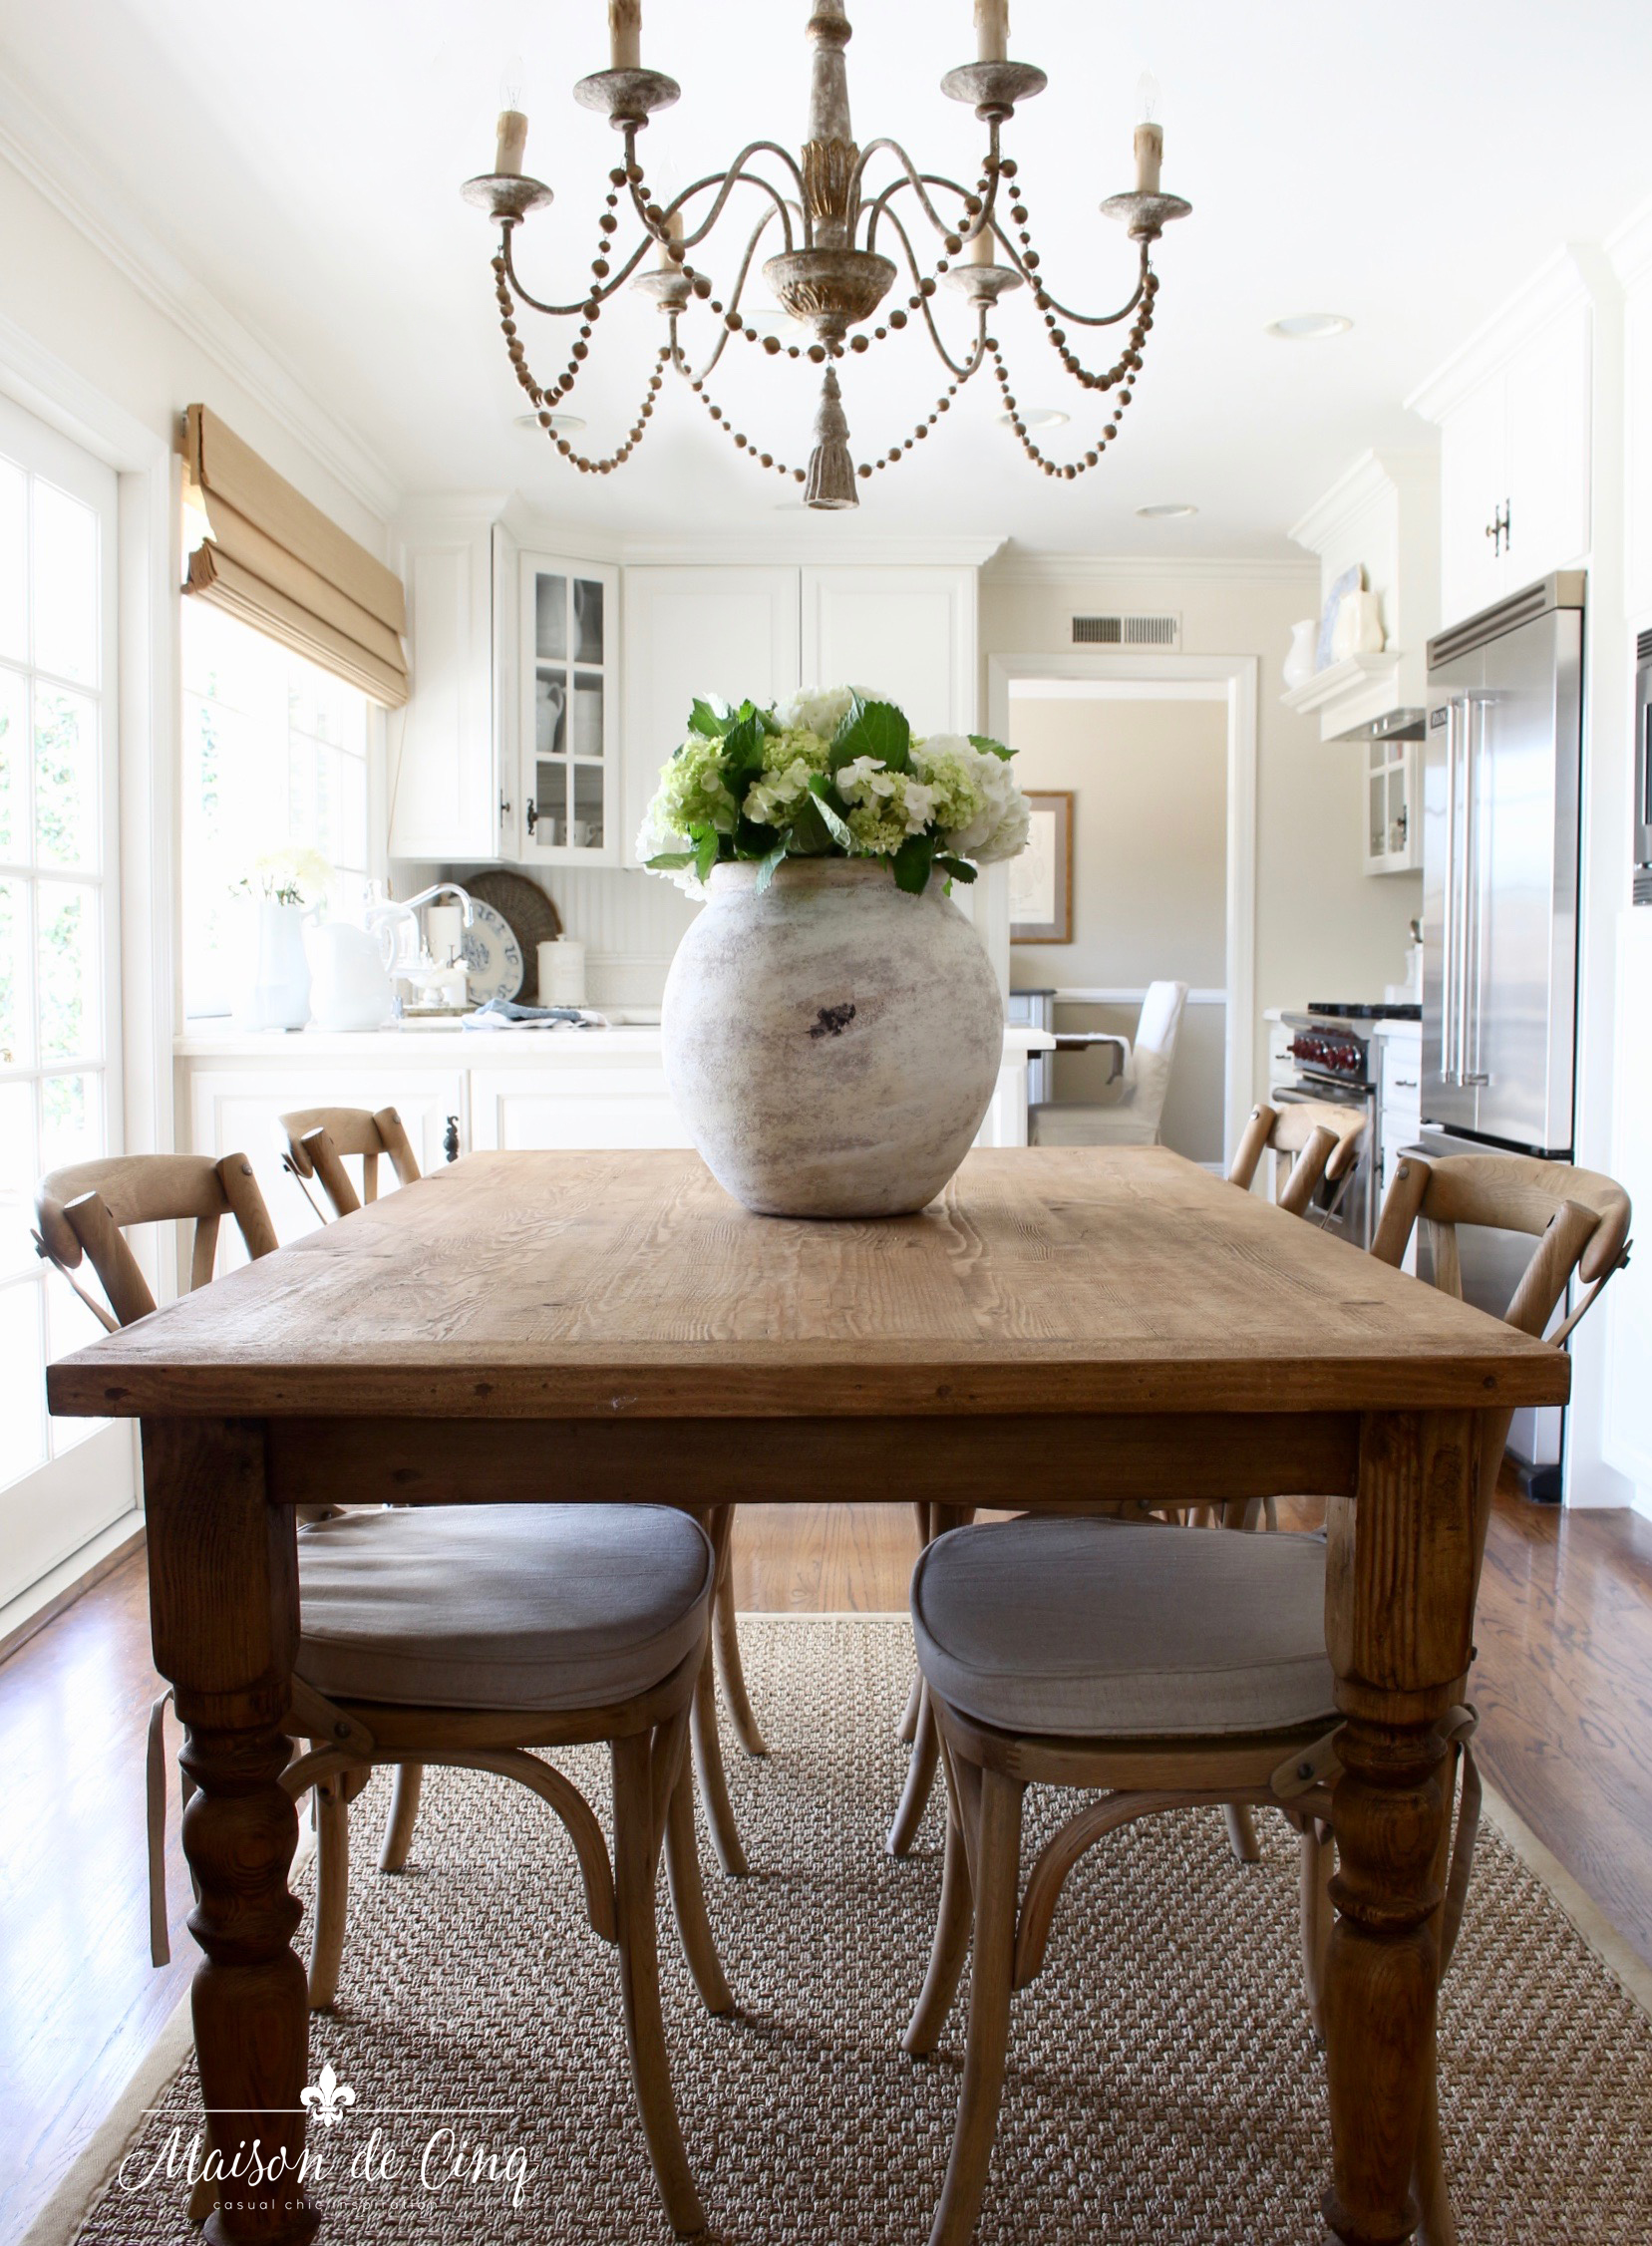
1564 1685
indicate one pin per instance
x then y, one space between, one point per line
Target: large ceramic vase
831 1042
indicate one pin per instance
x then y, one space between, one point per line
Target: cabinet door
1549 450
576 1105
567 715
730 633
1637 323
1473 481
444 776
909 634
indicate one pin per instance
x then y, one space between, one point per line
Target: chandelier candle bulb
1150 154
992 31
512 143
626 34
980 249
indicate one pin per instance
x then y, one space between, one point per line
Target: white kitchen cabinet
568 711
446 752
727 632
1514 466
1393 802
1637 411
1399 1104
907 632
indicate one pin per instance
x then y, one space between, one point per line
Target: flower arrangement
293 874
831 771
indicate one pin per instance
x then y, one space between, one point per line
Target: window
59 996
275 752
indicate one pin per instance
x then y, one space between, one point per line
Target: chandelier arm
728 329
965 231
599 293
921 182
1107 320
921 303
736 175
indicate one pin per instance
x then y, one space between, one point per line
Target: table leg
224 1606
1399 1616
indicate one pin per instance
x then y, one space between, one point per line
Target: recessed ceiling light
1035 417
561 424
1167 511
778 324
1309 327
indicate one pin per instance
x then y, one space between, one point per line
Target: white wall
1324 929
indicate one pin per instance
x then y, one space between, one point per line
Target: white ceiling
1406 162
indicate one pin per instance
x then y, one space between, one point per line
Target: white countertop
451 1045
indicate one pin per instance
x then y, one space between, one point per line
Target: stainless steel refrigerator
1502 762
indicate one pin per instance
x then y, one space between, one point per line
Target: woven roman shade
279 564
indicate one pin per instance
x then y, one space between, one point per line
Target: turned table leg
224 1605
1399 1613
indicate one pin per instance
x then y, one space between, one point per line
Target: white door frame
1238 674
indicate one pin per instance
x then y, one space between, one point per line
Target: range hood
1383 516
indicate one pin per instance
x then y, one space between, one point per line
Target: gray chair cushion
501 1606
1110 1629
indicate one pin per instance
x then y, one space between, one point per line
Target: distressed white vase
830 1042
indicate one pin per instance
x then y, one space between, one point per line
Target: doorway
1157 754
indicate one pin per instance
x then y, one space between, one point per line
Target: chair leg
708 1766
635 1864
920 1780
906 1731
688 1897
1319 1856
726 1632
404 1814
1439 2224
1241 1833
332 1892
948 1950
998 1864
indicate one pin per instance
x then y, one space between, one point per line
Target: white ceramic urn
831 1042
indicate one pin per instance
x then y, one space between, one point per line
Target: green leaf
959 869
705 719
671 862
912 862
837 824
873 728
753 840
767 866
985 743
706 854
810 835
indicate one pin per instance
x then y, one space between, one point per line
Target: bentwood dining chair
1174 1670
1310 1140
465 1636
318 1139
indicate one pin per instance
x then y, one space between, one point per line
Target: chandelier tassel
830 468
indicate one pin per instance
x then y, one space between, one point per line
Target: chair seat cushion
1109 1629
501 1606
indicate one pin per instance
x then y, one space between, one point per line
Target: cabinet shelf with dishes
567 724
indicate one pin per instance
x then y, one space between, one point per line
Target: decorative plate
528 913
492 956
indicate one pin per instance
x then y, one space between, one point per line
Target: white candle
992 29
512 140
626 34
981 248
673 233
1149 154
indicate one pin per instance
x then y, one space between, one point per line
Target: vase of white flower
275 981
832 1028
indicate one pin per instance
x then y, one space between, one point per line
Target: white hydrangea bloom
982 812
863 777
815 708
919 806
770 801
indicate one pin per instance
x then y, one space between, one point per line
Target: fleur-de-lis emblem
327 2098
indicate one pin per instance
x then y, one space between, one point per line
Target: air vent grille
1127 631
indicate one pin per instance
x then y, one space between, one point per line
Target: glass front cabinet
569 723
1393 825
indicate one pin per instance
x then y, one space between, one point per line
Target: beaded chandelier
822 223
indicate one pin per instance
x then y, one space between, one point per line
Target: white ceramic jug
349 987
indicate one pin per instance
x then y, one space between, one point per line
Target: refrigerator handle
1474 902
1448 932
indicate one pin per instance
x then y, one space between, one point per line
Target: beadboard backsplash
630 922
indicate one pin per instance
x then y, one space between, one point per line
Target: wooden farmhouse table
1063 1324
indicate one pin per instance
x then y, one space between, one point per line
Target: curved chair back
318 1138
84 1209
1153 1051
1323 1138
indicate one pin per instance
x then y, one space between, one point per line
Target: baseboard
1594 1928
61 1585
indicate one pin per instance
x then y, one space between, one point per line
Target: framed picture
1041 878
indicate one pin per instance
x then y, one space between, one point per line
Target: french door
62 1481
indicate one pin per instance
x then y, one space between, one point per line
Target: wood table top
595 1285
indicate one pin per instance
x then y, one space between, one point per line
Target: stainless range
1336 1060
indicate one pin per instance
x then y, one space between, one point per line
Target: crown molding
1629 247
1017 567
1560 281
1374 475
97 210
852 544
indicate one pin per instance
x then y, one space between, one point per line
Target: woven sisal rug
1163 2085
